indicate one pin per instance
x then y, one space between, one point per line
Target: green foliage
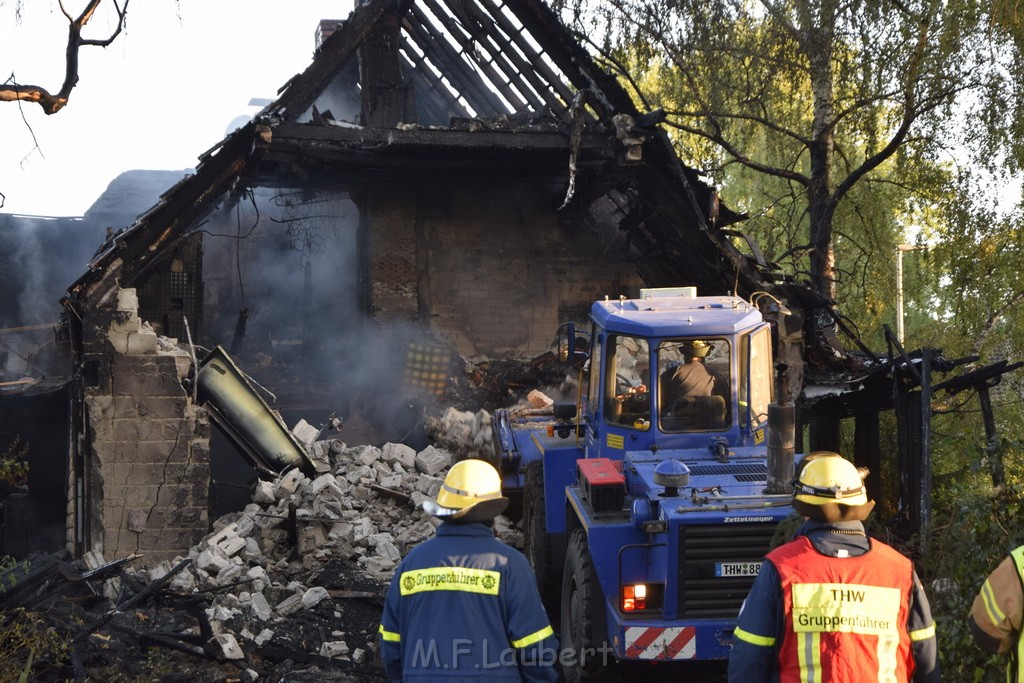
840 115
971 534
29 646
14 464
10 568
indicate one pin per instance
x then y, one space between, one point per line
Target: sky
167 90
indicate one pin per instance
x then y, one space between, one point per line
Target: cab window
756 371
627 378
594 381
694 384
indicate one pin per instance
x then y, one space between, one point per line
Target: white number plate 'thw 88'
725 569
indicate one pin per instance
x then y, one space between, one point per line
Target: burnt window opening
172 294
91 373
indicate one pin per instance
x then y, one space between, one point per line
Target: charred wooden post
386 95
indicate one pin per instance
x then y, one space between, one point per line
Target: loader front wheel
536 540
586 653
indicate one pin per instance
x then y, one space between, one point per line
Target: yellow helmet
471 492
696 348
826 477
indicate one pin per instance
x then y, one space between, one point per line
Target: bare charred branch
52 103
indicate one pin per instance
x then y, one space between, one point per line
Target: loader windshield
694 384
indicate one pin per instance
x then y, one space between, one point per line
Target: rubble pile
465 432
319 550
491 384
294 583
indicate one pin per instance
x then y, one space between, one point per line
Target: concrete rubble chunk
400 453
419 531
259 606
228 539
314 596
379 537
366 455
377 566
288 483
429 485
432 460
311 537
388 551
361 474
264 492
251 552
333 648
290 605
361 530
212 560
264 635
229 574
183 582
326 485
229 646
305 433
393 482
341 531
319 455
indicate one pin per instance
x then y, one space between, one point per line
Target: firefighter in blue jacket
464 606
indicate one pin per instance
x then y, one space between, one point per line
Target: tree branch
53 103
996 316
761 120
719 140
910 114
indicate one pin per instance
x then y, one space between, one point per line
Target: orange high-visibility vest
846 618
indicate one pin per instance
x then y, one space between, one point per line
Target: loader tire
586 654
536 541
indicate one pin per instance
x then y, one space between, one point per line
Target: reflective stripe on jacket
1014 670
465 607
845 618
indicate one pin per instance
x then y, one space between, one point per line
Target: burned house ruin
447 180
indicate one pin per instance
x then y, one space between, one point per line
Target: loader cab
676 372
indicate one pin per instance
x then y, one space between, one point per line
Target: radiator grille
701 593
745 472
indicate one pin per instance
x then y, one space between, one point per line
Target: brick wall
147 468
487 264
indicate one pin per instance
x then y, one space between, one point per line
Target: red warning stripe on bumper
660 643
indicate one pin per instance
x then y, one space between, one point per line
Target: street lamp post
900 248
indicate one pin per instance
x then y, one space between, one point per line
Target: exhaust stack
781 447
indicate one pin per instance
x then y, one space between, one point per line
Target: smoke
38 260
290 259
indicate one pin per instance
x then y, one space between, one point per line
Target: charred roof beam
534 59
518 146
465 38
439 50
546 28
438 100
303 90
520 70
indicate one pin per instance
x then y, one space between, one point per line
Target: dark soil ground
53 628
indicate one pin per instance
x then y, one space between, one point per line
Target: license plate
737 568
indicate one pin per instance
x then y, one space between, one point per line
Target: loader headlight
641 597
